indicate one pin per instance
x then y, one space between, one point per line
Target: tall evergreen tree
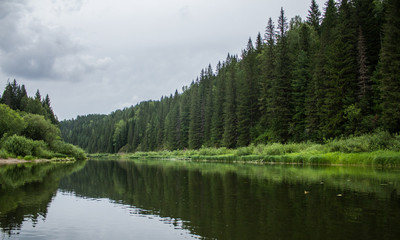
217 123
195 131
248 108
300 37
280 110
230 120
389 67
317 89
268 76
340 113
314 16
185 118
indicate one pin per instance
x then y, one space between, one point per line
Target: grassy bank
379 148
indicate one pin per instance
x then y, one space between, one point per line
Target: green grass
379 148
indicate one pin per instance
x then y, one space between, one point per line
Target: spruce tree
314 16
389 67
268 76
317 89
185 118
217 122
341 77
280 110
195 130
247 96
300 55
230 105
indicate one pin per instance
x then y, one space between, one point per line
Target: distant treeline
336 74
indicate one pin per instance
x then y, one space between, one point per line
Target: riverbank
19 161
374 149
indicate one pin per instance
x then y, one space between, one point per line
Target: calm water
187 200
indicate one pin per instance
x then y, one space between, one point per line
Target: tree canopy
332 75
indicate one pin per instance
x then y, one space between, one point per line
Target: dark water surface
188 200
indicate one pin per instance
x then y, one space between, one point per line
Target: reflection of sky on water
71 217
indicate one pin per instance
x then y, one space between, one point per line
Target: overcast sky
96 56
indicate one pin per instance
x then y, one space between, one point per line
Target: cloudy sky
96 56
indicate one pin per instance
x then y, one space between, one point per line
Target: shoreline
375 158
10 161
17 161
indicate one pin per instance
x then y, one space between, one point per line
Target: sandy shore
16 161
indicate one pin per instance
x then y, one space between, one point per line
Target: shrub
68 150
18 145
10 121
38 128
29 158
4 154
243 151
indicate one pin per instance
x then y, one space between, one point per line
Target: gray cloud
67 5
32 50
99 55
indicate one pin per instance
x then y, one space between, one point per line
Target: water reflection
226 201
214 201
26 191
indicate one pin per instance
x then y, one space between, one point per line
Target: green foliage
68 150
10 121
31 135
390 68
16 97
38 128
380 148
22 146
4 154
19 146
308 81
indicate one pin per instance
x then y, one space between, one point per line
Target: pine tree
195 132
268 75
38 97
317 89
208 84
49 110
341 77
247 107
217 123
369 18
230 105
259 44
314 16
185 118
364 78
12 95
390 68
280 110
300 41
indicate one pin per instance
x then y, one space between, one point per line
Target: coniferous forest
334 74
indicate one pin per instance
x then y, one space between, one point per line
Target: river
163 199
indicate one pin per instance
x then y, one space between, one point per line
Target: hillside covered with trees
29 128
335 74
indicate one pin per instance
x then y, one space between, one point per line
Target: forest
29 128
333 75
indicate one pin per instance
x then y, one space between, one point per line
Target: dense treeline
335 74
29 128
